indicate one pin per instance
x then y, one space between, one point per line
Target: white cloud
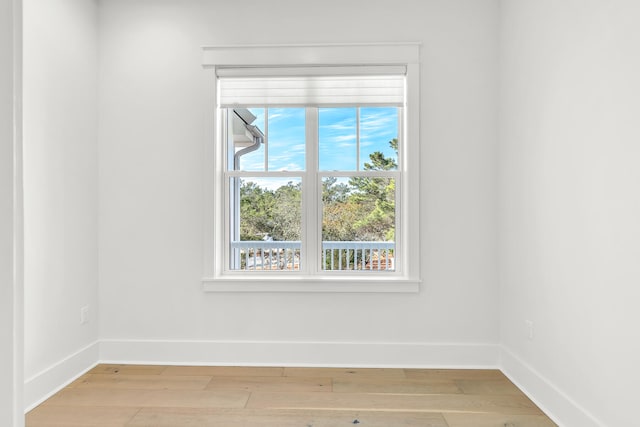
344 138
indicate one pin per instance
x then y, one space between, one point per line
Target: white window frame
216 277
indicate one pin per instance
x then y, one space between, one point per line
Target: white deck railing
281 255
358 255
267 255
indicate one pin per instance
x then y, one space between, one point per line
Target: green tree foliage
377 196
338 219
334 192
256 211
359 208
272 213
287 212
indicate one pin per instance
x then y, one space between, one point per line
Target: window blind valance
311 86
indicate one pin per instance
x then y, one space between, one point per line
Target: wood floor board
171 417
142 382
77 397
500 387
497 420
382 373
291 384
385 385
455 374
219 371
127 369
394 402
87 416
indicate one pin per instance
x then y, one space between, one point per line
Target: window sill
311 285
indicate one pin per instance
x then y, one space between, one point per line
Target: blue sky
337 137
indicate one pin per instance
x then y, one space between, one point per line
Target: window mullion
266 139
312 216
358 138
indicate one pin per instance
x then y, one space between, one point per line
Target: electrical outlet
529 329
84 315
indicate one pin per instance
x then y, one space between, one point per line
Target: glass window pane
245 152
358 223
379 138
254 160
265 223
286 139
337 133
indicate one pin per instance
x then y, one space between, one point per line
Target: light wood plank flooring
158 396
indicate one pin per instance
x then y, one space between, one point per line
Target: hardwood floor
137 395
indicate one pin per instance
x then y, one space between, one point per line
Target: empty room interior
517 203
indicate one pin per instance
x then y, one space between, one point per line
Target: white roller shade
311 86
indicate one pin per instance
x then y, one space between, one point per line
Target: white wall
61 185
569 205
10 216
155 117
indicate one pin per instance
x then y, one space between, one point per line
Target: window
275 181
315 171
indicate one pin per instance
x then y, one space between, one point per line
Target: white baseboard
563 410
243 353
45 384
